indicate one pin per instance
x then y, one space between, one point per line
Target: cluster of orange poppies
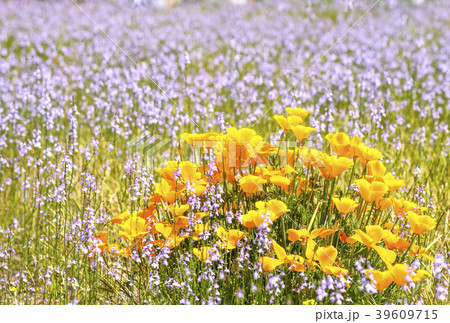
243 164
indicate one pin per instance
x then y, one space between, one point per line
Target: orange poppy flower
399 273
253 219
370 238
342 236
310 157
181 222
393 241
98 242
242 147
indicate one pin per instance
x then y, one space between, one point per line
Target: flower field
270 152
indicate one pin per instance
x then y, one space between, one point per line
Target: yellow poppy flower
134 228
376 169
326 257
340 143
205 254
355 147
281 181
420 223
289 122
276 208
175 240
368 154
200 229
269 264
421 252
251 184
301 132
229 239
195 139
304 235
287 170
121 217
383 203
267 212
165 192
371 191
165 229
178 210
390 226
392 182
330 166
402 207
309 302
381 279
298 112
344 205
146 214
